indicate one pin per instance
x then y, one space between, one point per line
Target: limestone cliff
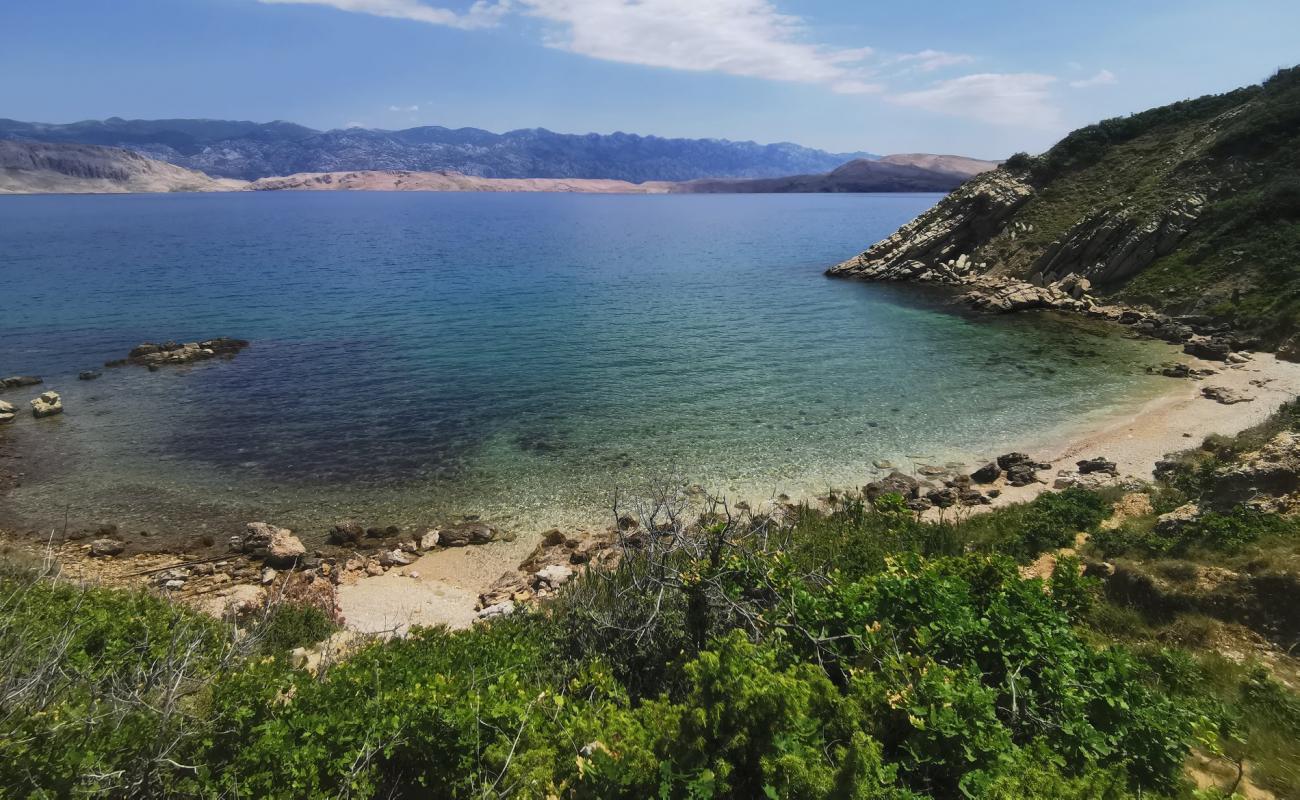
1192 209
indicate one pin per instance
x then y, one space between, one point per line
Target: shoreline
442 586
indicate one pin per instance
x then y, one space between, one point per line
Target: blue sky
982 78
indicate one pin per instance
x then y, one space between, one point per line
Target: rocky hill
250 150
43 168
956 165
1192 209
404 181
858 175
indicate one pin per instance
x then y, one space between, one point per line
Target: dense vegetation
857 653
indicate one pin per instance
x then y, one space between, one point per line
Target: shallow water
418 356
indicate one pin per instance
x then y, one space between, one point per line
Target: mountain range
252 150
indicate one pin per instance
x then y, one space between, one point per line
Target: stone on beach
47 405
7 411
278 547
1224 395
101 548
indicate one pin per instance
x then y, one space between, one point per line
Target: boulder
106 547
1272 470
920 504
395 558
1090 465
348 532
19 381
1209 349
943 498
7 412
554 576
1224 395
894 483
1290 349
47 405
988 473
278 547
972 497
467 533
429 540
1173 523
502 609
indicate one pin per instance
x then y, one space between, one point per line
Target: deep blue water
417 354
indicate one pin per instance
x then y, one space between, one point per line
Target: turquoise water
417 356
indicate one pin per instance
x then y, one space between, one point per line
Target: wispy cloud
1103 78
931 60
482 14
1022 98
749 38
404 109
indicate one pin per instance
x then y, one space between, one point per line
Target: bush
289 626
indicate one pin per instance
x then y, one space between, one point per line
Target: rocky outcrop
44 167
153 355
1005 295
936 246
1272 470
47 405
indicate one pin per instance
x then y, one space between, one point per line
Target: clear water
420 356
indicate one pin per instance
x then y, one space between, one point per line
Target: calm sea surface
419 356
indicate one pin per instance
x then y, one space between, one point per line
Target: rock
154 355
47 405
1098 465
554 576
7 412
553 537
1224 395
988 473
1208 349
502 609
467 533
1173 523
429 540
882 464
278 547
1272 470
19 381
1020 468
268 576
348 532
174 584
1238 358
1290 349
919 504
374 568
106 547
299 658
943 498
88 375
972 497
893 483
395 558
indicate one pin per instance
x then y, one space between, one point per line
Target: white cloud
406 109
749 38
1022 98
483 14
1103 78
931 60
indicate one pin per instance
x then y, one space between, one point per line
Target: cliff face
41 168
1192 209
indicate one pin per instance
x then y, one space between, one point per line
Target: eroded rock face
1006 295
47 405
935 247
278 547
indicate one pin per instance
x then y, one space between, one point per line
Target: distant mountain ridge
886 174
44 168
252 150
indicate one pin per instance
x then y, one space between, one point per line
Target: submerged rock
467 533
89 375
154 355
47 405
19 381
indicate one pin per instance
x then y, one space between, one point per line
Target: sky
982 78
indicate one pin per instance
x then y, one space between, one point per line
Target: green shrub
289 625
